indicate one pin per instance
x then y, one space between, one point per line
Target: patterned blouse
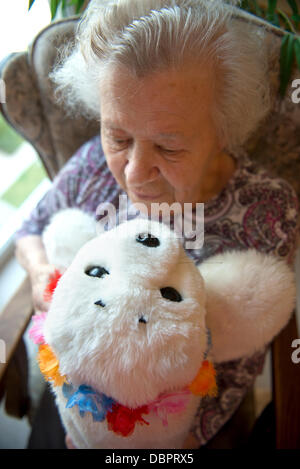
253 210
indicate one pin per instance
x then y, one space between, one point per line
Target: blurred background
22 177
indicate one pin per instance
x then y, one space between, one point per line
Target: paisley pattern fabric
254 210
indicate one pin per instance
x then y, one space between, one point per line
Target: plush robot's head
128 315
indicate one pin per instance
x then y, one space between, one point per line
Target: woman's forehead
120 85
165 101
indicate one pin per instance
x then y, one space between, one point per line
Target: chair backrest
30 106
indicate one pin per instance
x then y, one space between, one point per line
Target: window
23 180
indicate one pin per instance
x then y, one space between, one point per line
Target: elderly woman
179 86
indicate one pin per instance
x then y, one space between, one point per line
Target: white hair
148 36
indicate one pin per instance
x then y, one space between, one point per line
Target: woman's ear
249 298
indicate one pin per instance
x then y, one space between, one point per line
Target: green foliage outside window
287 20
55 4
9 139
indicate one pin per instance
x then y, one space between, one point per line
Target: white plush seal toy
134 327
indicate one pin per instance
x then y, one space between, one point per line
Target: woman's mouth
143 196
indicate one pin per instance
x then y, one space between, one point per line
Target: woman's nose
141 167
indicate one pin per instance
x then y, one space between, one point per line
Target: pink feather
171 403
36 332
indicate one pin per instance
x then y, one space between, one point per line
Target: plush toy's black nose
143 320
99 303
148 240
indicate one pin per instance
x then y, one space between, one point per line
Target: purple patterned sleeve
72 187
271 221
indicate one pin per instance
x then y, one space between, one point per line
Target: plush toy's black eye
170 294
148 239
96 271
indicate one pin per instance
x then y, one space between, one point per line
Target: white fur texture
109 349
245 299
250 298
67 232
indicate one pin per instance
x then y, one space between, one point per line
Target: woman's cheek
116 165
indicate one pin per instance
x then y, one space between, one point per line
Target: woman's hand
31 254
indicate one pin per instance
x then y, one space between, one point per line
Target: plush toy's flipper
68 231
250 298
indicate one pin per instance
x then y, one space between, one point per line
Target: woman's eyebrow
107 124
169 135
110 125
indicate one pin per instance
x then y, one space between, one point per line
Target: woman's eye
120 143
168 151
96 271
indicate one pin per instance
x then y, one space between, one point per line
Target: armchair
31 109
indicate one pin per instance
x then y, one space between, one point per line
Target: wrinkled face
158 136
128 316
